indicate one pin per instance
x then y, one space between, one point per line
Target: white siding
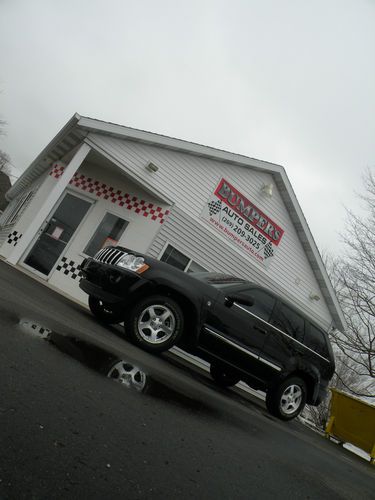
39 189
189 180
138 234
213 253
141 230
5 230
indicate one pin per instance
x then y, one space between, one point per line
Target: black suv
244 331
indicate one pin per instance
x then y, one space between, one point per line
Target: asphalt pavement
67 431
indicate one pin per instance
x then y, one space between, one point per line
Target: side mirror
245 301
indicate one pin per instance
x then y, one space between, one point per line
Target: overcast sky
291 82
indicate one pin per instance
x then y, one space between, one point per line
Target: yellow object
352 421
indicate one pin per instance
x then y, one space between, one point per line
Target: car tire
155 323
102 312
223 376
286 400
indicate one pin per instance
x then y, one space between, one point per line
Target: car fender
297 366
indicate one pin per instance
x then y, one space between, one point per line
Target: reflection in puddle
129 375
32 327
122 371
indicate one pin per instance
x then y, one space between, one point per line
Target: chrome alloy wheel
156 324
291 399
129 375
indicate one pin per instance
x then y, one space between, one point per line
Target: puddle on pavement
121 371
30 326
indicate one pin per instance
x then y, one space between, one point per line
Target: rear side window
316 340
289 322
263 303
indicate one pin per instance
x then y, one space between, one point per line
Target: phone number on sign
244 233
238 239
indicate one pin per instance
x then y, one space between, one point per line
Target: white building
98 183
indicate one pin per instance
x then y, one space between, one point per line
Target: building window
177 259
15 209
108 233
194 267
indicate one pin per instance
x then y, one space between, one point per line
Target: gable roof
78 127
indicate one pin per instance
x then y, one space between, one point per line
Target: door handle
261 330
44 227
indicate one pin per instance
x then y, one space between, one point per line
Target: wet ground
83 413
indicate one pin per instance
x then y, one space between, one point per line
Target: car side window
263 303
290 322
315 339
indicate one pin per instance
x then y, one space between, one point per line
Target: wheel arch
310 381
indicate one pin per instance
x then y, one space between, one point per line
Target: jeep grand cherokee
242 329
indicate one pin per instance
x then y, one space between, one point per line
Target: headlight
133 263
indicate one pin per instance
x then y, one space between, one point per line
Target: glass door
56 234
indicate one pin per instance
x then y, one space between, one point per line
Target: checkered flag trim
268 250
13 238
57 170
69 268
126 200
214 207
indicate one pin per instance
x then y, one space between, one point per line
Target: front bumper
111 284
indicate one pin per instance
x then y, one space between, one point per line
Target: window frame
324 337
247 290
128 220
302 343
279 306
15 211
190 260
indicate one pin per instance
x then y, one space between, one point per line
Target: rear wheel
223 376
287 400
156 323
103 312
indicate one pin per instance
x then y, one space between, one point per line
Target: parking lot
68 431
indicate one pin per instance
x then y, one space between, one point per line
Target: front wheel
286 400
222 376
156 323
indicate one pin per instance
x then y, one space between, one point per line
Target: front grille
109 256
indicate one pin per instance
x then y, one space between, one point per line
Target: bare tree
2 126
353 278
5 163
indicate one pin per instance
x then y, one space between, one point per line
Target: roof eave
97 126
42 160
314 256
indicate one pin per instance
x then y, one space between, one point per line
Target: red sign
242 222
248 211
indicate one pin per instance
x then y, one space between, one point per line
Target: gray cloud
290 82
